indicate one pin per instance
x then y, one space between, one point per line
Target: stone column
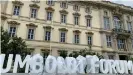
114 42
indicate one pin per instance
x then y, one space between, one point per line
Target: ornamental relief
77 31
88 16
63 29
48 27
63 11
49 9
13 23
31 25
3 17
76 14
89 33
17 3
34 6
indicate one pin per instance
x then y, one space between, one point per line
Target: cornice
63 11
77 31
109 5
76 14
13 23
63 29
49 9
31 25
89 33
17 3
48 27
3 17
34 6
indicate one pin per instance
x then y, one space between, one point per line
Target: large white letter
119 66
104 66
50 64
9 63
112 66
71 64
36 64
81 64
61 65
18 61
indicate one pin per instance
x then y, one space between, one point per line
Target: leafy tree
85 52
12 45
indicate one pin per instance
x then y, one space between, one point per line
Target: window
63 5
117 22
33 12
89 40
49 16
121 43
12 31
62 37
63 18
88 22
109 41
31 33
76 38
76 7
50 2
106 23
16 10
129 26
76 20
47 35
87 10
111 56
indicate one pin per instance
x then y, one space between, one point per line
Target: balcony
121 33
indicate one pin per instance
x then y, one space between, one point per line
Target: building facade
51 26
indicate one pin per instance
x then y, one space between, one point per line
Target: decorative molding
88 16
3 17
17 3
117 11
49 9
31 25
63 11
76 14
13 23
63 29
34 6
77 31
90 33
48 27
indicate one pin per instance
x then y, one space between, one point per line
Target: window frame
10 33
121 44
49 18
108 41
17 11
47 37
61 5
51 4
35 14
76 7
62 39
32 34
75 21
89 41
76 40
63 19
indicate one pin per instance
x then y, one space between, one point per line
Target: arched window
117 23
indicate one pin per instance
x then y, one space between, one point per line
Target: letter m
18 61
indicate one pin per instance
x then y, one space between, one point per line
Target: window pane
31 34
16 10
